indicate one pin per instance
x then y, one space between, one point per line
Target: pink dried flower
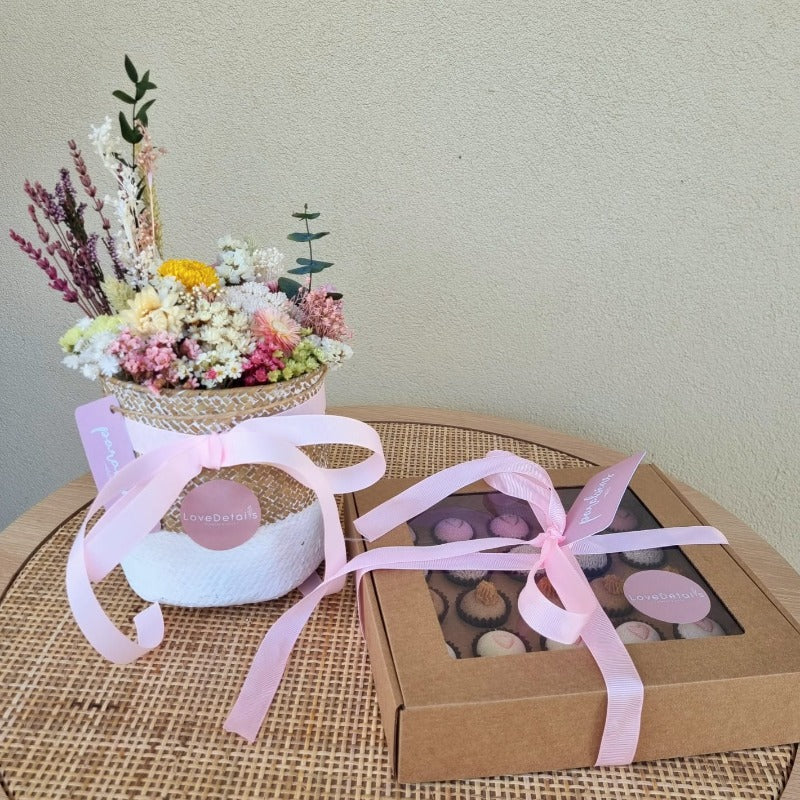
148 154
145 232
260 363
149 360
324 315
277 329
190 348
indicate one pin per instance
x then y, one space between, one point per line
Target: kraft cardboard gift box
448 718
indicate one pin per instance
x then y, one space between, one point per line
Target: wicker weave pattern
181 409
198 412
73 726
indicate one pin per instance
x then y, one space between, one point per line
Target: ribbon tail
262 681
644 540
149 627
272 656
431 490
124 523
96 626
309 584
624 689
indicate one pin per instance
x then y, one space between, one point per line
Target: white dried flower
106 144
251 296
330 351
235 263
267 263
90 357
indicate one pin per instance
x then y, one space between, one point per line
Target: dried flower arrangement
174 323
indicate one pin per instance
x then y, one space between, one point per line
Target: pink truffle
453 529
499 643
700 629
634 632
624 520
509 526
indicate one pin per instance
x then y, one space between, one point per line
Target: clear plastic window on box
470 604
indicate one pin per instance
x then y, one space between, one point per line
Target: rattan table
73 726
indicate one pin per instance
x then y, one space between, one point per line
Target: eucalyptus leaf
131 70
145 79
150 85
307 215
312 270
126 98
125 129
334 295
306 237
140 91
307 262
141 114
289 287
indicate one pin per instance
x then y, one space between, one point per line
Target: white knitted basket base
171 568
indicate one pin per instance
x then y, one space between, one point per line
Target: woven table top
74 726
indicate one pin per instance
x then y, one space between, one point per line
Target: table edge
23 536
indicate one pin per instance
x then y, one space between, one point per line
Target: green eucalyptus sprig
132 134
307 266
141 86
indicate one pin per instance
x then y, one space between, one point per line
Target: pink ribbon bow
150 484
564 535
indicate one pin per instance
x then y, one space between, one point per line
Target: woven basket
168 566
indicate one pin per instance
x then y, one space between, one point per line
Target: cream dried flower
151 311
119 294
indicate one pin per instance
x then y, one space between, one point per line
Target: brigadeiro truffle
520 575
610 595
593 564
546 588
440 604
634 632
484 606
552 644
509 526
467 577
452 529
452 650
699 630
624 520
644 559
499 643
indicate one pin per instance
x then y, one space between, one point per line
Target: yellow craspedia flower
189 273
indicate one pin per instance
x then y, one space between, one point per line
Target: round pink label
220 514
667 596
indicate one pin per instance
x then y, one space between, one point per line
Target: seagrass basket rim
308 378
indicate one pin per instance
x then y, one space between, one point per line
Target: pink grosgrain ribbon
563 534
152 482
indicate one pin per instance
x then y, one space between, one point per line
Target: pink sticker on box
105 439
667 596
220 515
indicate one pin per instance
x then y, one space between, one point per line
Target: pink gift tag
105 439
594 508
220 515
666 596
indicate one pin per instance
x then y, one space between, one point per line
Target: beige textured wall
582 215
